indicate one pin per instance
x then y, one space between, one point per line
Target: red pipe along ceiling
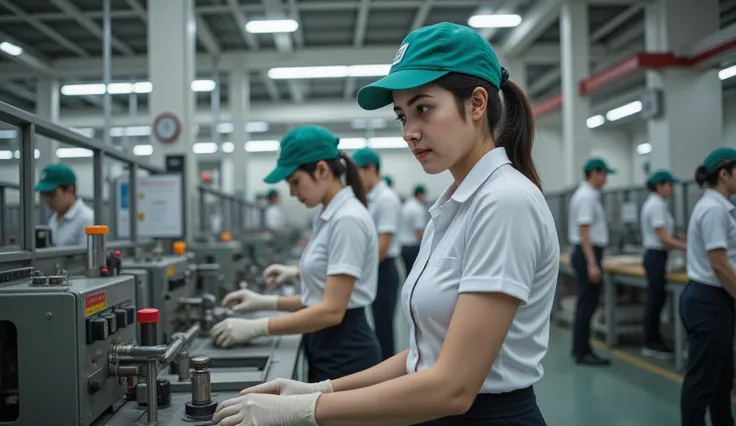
637 63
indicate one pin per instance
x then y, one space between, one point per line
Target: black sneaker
592 360
657 351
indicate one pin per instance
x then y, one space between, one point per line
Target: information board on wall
159 205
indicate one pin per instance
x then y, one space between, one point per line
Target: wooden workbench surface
628 265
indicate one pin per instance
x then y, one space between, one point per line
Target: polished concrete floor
632 391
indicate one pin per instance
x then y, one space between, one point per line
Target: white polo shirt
385 208
343 241
586 209
712 226
494 233
275 218
655 213
70 230
414 217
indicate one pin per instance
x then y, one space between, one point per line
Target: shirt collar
656 196
723 201
373 193
73 210
480 173
337 201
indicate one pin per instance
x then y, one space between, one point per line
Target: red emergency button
117 254
148 316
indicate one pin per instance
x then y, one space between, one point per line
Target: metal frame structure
29 126
234 210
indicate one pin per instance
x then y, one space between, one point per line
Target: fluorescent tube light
331 71
225 128
8 134
203 85
83 89
256 127
262 146
727 73
351 143
204 148
74 153
644 148
624 111
6 154
11 49
143 150
228 147
130 131
143 87
595 121
494 21
126 88
387 143
272 26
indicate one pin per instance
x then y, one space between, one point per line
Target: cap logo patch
400 54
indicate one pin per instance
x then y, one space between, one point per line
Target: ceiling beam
138 9
422 13
536 22
28 59
506 6
67 7
361 27
274 9
612 25
295 15
19 92
206 37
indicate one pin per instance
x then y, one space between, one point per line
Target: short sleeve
502 245
659 216
387 215
585 211
714 229
348 244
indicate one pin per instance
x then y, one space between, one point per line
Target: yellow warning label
95 303
140 216
170 270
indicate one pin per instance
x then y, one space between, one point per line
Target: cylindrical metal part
128 371
152 400
95 254
201 385
183 366
149 334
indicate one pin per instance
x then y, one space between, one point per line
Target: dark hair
377 166
517 130
349 169
64 188
711 178
418 191
652 187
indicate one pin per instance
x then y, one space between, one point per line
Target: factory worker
588 233
389 181
275 218
657 230
385 208
707 303
58 189
338 269
480 294
414 218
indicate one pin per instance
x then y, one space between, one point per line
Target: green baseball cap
420 189
54 176
430 53
718 157
389 180
662 176
303 145
598 164
366 156
271 193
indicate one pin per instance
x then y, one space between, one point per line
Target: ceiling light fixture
624 111
11 49
331 71
139 87
595 121
727 73
644 148
494 21
143 150
74 153
272 26
204 148
262 146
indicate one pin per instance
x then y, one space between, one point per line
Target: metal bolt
49 315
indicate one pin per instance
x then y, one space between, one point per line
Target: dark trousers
588 297
409 256
516 408
343 349
385 305
655 267
708 314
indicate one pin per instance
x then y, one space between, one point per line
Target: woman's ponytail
517 131
701 176
352 178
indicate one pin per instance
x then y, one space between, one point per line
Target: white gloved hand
276 275
233 331
245 300
289 387
267 410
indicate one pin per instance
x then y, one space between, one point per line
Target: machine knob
148 316
96 330
200 362
122 317
112 323
163 391
130 310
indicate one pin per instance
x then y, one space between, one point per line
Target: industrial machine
228 255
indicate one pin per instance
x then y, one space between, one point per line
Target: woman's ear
323 170
478 103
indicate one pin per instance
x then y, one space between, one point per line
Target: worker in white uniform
385 208
588 234
414 218
275 218
657 230
338 269
58 189
480 294
707 303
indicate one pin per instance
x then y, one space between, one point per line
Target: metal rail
235 210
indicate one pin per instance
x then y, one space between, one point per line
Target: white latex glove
233 331
289 387
245 300
267 410
276 275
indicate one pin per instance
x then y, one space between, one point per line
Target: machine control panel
103 324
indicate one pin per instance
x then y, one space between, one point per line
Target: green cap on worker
597 164
420 189
389 181
54 176
662 176
272 193
719 157
430 53
303 145
365 157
